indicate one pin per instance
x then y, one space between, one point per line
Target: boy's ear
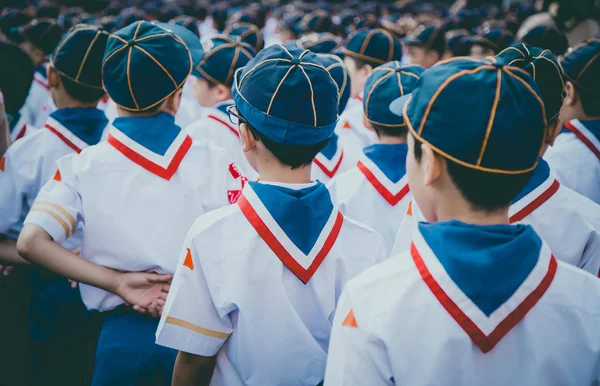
38 55
52 77
432 165
173 102
223 92
572 96
246 137
367 70
367 124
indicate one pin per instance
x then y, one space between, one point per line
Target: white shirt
38 105
240 293
136 205
216 127
575 160
330 162
21 129
368 196
354 136
406 320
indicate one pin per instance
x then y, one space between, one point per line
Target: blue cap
319 43
498 126
457 41
287 95
12 19
582 67
387 83
189 22
376 45
222 57
44 34
317 21
548 37
545 70
78 57
494 38
242 17
369 22
145 63
429 36
292 22
336 67
248 33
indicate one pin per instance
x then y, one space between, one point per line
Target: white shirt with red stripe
136 205
566 220
330 162
368 196
21 128
353 135
244 291
407 322
27 165
216 127
575 159
38 105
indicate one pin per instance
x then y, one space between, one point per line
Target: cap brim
411 41
188 37
397 105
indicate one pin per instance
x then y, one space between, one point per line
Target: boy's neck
70 103
273 171
391 140
452 206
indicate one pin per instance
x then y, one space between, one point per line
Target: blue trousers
127 355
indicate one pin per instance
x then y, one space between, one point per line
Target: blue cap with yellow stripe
247 33
145 63
222 57
375 45
336 67
78 56
287 95
387 83
320 43
498 126
582 67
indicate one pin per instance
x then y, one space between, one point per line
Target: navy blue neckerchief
301 213
390 159
223 106
331 148
488 263
87 124
540 174
41 70
155 133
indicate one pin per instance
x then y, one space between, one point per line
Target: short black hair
360 63
80 92
291 155
389 131
483 190
590 102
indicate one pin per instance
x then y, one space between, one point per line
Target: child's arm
139 289
193 370
9 254
4 129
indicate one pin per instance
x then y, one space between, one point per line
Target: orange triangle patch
409 209
347 125
350 320
188 262
57 176
2 163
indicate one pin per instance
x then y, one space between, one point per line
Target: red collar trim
586 141
231 128
330 173
22 132
286 258
485 342
165 173
63 138
533 205
41 82
391 198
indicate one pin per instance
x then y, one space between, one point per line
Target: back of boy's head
43 34
548 37
16 75
430 37
319 43
545 70
373 47
493 38
12 19
78 61
222 57
290 101
490 137
582 68
336 67
318 21
247 33
219 15
189 22
387 83
145 63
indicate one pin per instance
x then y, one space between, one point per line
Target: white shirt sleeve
58 206
191 322
13 189
355 356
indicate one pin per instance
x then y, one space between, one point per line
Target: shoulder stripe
195 328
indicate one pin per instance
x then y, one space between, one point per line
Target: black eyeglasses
236 118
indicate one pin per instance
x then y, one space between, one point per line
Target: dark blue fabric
220 61
488 263
301 214
87 124
540 174
579 60
223 106
339 73
331 148
593 127
13 119
518 123
127 355
390 159
279 82
376 44
155 133
41 70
